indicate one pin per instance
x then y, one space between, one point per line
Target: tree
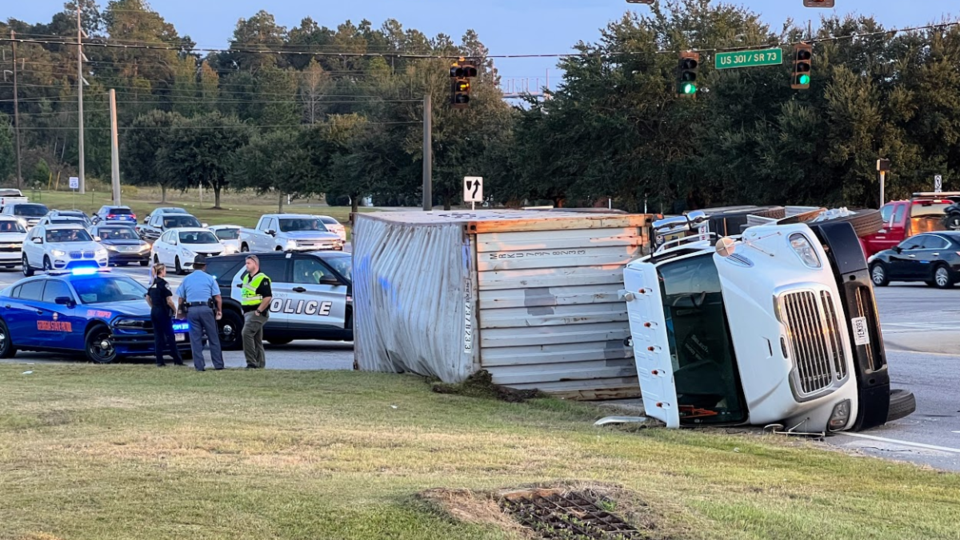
200 150
274 161
144 146
8 156
41 173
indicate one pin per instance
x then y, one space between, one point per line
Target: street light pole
16 108
427 153
80 99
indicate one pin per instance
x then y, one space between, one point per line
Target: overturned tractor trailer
775 326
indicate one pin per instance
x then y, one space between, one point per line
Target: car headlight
145 247
188 253
130 323
228 249
802 247
291 244
112 248
101 252
58 253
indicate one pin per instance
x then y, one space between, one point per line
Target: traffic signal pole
427 153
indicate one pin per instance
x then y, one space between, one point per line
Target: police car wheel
25 265
98 346
7 350
230 326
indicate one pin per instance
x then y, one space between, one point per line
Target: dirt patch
39 536
480 385
473 507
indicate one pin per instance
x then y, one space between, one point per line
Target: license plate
179 337
861 333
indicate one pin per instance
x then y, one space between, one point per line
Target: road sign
739 59
937 183
472 189
74 182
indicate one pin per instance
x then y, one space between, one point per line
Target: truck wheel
865 222
230 326
878 274
244 248
902 404
942 277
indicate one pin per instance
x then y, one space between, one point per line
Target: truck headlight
291 244
58 253
802 247
840 415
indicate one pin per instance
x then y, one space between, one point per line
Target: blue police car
85 310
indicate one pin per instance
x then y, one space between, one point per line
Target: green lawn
130 451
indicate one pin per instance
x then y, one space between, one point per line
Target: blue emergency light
84 271
181 327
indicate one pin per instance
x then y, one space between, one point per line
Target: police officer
255 302
197 292
160 300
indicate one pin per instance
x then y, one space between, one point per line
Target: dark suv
115 214
312 296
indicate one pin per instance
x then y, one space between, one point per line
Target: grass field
242 209
129 451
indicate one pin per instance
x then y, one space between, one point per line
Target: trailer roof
482 221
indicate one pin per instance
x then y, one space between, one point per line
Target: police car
85 310
312 296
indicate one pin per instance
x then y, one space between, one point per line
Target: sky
505 26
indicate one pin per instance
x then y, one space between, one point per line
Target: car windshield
180 222
329 221
116 211
228 234
704 364
343 265
68 235
118 233
7 226
198 237
100 289
30 210
301 224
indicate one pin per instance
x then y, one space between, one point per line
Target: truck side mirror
272 232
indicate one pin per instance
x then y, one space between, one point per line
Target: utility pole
16 108
427 153
114 148
80 98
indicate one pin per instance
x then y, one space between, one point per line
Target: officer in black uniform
160 300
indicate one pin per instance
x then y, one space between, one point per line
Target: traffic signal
802 60
460 75
687 73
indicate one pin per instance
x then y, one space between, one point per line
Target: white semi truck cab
776 326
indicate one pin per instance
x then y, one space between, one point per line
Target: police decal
296 307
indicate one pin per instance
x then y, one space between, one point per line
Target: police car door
278 270
319 302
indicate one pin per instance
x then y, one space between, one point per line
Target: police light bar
83 271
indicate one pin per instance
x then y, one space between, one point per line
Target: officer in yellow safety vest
255 302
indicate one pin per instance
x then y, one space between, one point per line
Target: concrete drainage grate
567 515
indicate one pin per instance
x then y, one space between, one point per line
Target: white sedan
229 236
334 226
178 248
59 247
12 235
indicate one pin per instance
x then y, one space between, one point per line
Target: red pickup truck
903 219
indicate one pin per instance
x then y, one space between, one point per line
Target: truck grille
815 338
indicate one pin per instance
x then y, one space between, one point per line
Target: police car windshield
343 265
198 237
118 233
30 210
228 234
101 289
68 235
301 224
8 226
175 221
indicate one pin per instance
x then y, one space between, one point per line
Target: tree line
281 111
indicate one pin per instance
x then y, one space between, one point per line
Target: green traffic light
689 88
804 79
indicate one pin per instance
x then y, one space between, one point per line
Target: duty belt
195 304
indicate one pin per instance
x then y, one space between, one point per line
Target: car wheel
156 259
7 350
176 266
952 223
244 248
47 266
902 404
25 266
279 248
878 274
229 327
98 347
144 263
279 341
942 277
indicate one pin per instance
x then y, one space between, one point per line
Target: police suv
312 296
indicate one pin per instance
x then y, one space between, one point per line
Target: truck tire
865 222
902 404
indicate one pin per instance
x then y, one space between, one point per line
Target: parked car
161 223
97 314
177 248
334 226
30 213
289 232
164 210
110 213
123 244
12 235
925 212
933 258
229 236
59 247
312 296
77 214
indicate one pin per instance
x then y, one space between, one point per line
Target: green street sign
739 59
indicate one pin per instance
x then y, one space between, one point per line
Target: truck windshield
301 224
30 210
704 364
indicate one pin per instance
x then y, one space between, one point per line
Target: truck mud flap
863 322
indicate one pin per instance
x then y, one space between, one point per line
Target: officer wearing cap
197 292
